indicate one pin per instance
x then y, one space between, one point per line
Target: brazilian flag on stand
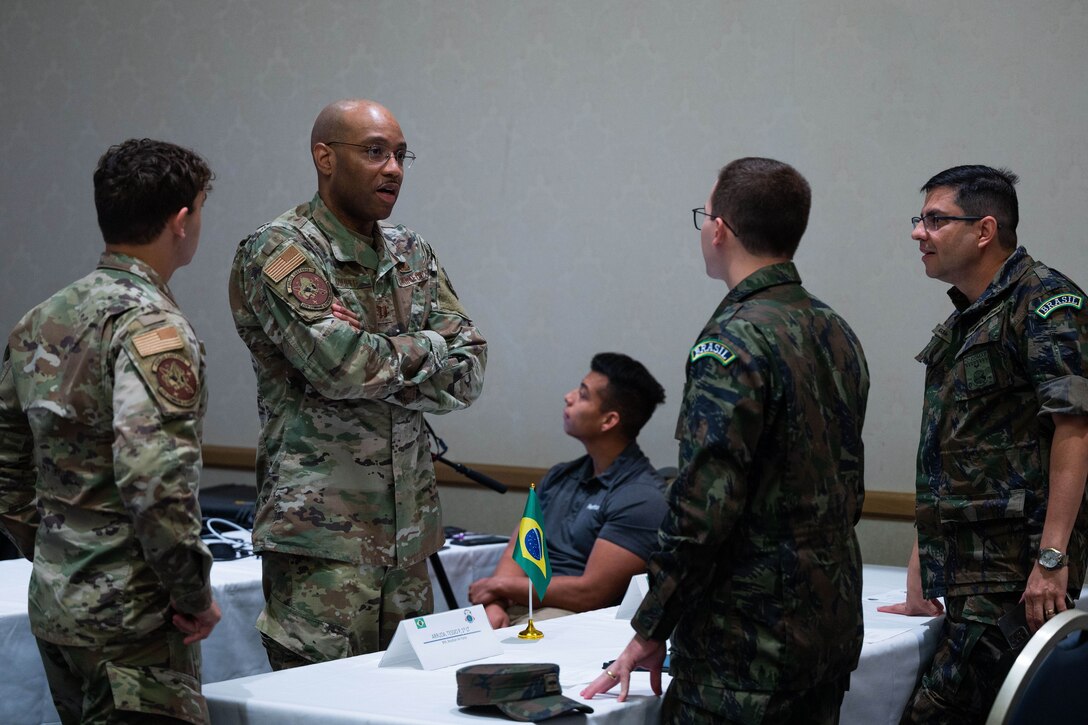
530 552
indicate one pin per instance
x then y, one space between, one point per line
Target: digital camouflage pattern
344 470
527 692
995 371
320 610
101 406
758 574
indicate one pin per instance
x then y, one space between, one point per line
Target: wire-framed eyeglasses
379 155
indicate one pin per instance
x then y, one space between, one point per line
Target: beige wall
478 509
561 146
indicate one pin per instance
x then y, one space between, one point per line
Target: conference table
233 650
357 690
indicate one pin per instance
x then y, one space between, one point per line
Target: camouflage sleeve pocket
293 278
162 359
157 691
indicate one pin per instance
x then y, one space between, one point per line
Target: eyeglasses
933 222
695 217
379 155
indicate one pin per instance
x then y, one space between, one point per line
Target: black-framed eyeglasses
379 155
933 222
699 215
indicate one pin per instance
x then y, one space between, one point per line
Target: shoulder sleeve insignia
713 349
156 341
1066 299
175 380
310 289
284 263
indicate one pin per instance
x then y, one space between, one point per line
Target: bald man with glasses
355 332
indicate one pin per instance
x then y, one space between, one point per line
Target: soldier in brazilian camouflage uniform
1004 445
758 574
101 404
355 332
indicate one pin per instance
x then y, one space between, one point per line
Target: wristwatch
1051 559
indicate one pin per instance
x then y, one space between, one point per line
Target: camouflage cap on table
526 692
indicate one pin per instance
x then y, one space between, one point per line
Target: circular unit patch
310 289
175 379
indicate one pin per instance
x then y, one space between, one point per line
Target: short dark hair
631 391
140 183
983 191
766 202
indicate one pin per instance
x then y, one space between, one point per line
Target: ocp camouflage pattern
995 372
343 466
320 610
100 456
758 573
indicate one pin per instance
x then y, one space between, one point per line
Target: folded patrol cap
525 692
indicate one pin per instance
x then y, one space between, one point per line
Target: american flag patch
156 341
287 260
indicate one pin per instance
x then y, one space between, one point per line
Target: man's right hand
198 626
497 615
920 607
916 604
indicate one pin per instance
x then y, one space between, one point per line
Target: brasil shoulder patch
1066 299
713 349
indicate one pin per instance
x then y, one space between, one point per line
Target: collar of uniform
617 471
134 266
770 276
347 246
1012 269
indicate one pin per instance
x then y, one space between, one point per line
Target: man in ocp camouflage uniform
757 579
1003 455
101 404
355 332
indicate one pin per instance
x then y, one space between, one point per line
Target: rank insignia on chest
309 288
1063 300
713 349
978 372
175 379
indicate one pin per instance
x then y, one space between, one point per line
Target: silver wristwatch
1051 559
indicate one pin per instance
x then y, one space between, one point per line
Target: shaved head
339 119
358 189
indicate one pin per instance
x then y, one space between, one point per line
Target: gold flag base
530 632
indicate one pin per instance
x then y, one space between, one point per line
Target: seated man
601 512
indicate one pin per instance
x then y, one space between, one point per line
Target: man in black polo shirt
601 511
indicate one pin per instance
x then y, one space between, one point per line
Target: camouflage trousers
970 664
154 679
690 703
318 610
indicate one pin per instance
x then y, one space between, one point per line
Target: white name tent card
636 590
443 639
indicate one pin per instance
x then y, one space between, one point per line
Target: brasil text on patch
713 349
1065 299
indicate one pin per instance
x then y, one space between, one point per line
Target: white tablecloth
233 650
357 691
